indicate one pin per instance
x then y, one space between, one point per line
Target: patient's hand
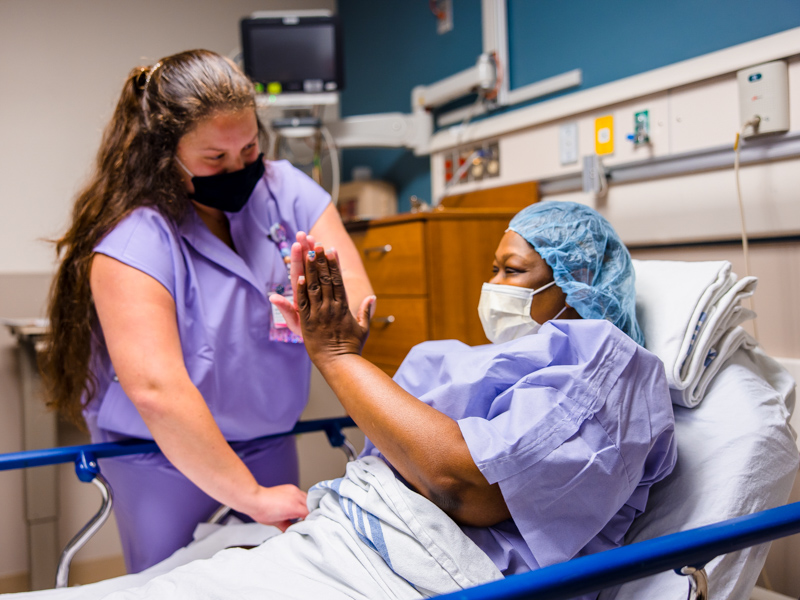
329 329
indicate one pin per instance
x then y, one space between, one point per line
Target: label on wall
604 135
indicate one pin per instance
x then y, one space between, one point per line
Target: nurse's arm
423 444
138 318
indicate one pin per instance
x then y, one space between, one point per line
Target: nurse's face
223 143
517 263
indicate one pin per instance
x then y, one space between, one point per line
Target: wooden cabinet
427 270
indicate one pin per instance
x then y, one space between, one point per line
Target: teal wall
392 45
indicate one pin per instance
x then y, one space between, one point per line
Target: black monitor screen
298 55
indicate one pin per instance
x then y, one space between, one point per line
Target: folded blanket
368 536
717 354
685 310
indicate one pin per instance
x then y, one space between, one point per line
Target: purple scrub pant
157 508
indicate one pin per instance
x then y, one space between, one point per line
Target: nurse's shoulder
144 224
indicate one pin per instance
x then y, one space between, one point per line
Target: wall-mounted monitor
294 54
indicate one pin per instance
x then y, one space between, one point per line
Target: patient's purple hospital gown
575 424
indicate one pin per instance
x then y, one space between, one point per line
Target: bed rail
87 469
686 552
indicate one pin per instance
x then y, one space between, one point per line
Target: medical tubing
695 547
335 172
460 129
745 246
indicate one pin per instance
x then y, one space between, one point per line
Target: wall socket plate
764 92
568 143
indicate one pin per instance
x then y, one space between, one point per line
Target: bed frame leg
88 471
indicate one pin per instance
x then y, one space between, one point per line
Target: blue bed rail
683 552
693 548
54 456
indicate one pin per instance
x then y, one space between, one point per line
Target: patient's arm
423 444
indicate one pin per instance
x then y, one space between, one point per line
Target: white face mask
505 311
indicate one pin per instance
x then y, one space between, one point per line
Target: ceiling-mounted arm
385 130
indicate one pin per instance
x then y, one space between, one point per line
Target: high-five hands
328 327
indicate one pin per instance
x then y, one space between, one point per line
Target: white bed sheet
737 454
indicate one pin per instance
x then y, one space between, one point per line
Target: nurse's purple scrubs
575 423
253 386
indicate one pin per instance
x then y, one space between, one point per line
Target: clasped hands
319 310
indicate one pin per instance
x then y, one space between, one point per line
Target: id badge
278 329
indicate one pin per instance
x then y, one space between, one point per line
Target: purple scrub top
253 386
575 423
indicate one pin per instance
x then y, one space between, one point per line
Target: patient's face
517 263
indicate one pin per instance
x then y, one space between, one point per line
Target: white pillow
736 456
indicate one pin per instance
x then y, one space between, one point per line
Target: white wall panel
704 115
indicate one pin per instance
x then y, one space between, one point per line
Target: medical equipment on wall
764 98
390 130
299 52
295 62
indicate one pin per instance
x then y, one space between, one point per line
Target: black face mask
228 192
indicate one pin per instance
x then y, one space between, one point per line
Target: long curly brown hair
134 167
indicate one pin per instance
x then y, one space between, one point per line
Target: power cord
333 152
754 123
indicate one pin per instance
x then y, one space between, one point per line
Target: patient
540 447
543 445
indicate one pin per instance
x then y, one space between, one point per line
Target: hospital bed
709 520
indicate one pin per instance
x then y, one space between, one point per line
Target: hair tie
144 92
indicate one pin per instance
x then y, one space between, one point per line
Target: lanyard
279 331
277 233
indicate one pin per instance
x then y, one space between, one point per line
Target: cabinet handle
383 320
379 249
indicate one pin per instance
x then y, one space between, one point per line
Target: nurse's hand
279 505
300 248
329 328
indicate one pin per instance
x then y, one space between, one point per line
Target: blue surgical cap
590 263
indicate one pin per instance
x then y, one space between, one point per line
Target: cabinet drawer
394 258
397 325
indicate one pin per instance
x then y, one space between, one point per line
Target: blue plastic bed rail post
338 440
86 466
613 567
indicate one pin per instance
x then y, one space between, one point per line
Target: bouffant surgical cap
590 263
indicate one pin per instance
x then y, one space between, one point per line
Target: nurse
543 445
161 324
